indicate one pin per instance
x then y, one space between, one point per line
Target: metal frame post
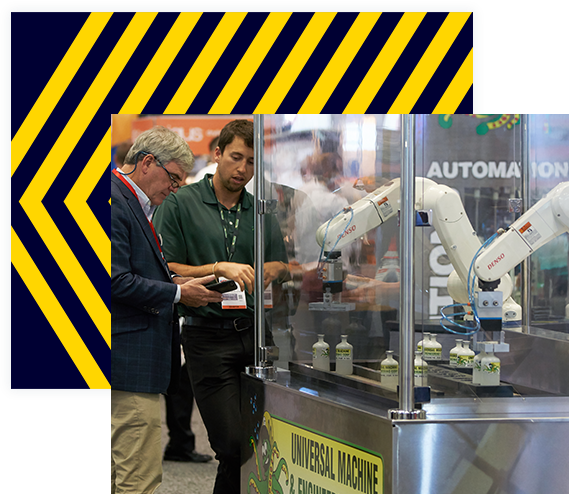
406 295
526 264
261 369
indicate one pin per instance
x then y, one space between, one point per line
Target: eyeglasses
175 183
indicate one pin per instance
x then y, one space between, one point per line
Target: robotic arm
544 221
364 215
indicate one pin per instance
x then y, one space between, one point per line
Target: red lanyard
124 181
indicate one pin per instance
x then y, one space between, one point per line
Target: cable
446 317
144 153
470 285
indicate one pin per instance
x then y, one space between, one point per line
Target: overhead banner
198 131
485 150
291 459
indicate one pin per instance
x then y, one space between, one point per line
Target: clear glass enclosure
549 165
345 275
317 165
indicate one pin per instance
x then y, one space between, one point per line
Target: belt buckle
238 327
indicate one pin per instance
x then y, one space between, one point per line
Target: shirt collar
209 197
145 204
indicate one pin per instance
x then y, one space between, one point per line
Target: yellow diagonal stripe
339 63
160 63
295 62
56 86
76 202
458 88
250 62
429 62
384 62
56 316
205 63
31 201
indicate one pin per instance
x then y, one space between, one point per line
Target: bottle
465 356
432 349
477 367
344 357
389 371
421 344
490 371
420 371
453 353
389 270
321 354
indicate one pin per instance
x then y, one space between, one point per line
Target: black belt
239 324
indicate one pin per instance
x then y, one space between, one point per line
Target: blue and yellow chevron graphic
67 80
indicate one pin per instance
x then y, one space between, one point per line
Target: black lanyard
229 244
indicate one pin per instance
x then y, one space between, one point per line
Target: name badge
234 299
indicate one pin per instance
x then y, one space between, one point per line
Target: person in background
211 165
120 153
208 228
145 355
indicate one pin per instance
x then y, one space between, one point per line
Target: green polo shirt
190 225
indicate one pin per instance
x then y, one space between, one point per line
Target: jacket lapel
138 213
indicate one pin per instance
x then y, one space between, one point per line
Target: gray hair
165 145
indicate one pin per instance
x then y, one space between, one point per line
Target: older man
144 333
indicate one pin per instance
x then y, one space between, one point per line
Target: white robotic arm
448 216
546 220
359 218
543 222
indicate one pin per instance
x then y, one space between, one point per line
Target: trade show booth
422 337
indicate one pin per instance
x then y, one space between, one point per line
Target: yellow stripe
384 62
205 62
76 202
250 63
295 62
31 201
161 62
56 316
429 62
56 86
458 87
339 63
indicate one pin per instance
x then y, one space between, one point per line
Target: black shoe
187 457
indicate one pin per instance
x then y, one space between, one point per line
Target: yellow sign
295 460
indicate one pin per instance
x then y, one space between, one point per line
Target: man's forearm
191 271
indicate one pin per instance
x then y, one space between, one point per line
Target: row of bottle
485 366
390 371
344 355
344 362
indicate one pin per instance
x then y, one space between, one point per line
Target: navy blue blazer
145 348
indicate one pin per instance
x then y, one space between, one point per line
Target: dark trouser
179 416
216 358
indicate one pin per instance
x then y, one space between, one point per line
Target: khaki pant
136 448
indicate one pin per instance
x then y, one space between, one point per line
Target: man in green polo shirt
208 227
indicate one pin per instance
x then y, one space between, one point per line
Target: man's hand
275 270
242 274
195 294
